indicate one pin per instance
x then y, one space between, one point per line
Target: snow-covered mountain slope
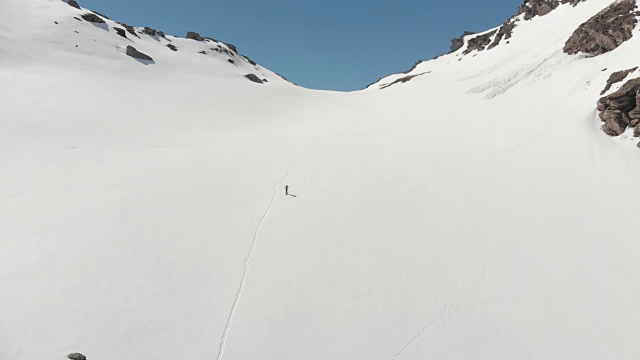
476 211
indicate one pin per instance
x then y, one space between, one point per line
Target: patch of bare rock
194 36
504 32
533 8
605 31
616 77
479 42
458 43
402 80
254 78
73 3
90 17
134 53
621 109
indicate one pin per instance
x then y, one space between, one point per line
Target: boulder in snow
120 32
73 3
195 36
76 356
90 17
254 78
149 31
131 51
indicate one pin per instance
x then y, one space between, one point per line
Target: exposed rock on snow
232 47
149 31
402 80
414 66
102 15
616 77
172 47
93 18
479 42
621 109
120 32
77 356
73 3
129 29
605 31
131 51
249 60
505 32
458 43
195 36
254 78
152 32
533 8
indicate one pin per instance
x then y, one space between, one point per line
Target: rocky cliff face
605 31
621 109
530 9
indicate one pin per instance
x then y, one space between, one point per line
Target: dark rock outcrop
413 67
616 77
92 18
458 43
402 80
73 3
102 15
149 31
121 32
160 33
129 29
254 78
621 109
505 32
605 31
131 51
533 8
232 47
172 47
479 42
249 60
195 36
77 356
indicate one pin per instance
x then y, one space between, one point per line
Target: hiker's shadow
292 195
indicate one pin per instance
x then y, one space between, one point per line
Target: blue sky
320 44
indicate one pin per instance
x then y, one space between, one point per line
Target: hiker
286 190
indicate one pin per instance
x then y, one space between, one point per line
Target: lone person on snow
286 190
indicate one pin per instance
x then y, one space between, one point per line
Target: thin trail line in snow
247 260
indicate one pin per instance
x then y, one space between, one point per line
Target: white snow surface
474 212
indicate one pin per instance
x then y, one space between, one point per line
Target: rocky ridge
222 48
530 9
533 8
605 31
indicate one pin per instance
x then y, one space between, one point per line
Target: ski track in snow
247 261
471 308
